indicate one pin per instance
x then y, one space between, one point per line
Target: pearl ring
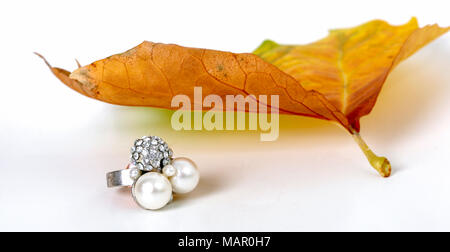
154 175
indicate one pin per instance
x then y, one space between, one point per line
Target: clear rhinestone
166 147
154 154
139 149
155 163
161 148
166 154
170 152
148 168
133 149
154 142
140 166
165 161
138 142
136 156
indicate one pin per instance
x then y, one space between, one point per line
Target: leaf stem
381 164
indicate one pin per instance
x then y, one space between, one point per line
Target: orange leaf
337 78
151 74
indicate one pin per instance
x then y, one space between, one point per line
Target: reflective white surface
56 145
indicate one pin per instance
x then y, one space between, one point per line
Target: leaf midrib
344 80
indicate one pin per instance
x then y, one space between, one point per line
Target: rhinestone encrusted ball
150 153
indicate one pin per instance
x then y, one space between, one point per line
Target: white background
56 145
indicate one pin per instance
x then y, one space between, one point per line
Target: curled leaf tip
64 77
43 58
78 63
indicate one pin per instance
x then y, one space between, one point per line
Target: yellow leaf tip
414 20
266 45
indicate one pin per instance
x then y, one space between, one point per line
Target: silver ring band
119 178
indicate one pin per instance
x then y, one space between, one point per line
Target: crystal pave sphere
150 153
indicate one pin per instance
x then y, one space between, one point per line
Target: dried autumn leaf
337 78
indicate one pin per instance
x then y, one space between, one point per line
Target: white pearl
152 191
135 173
187 176
169 171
